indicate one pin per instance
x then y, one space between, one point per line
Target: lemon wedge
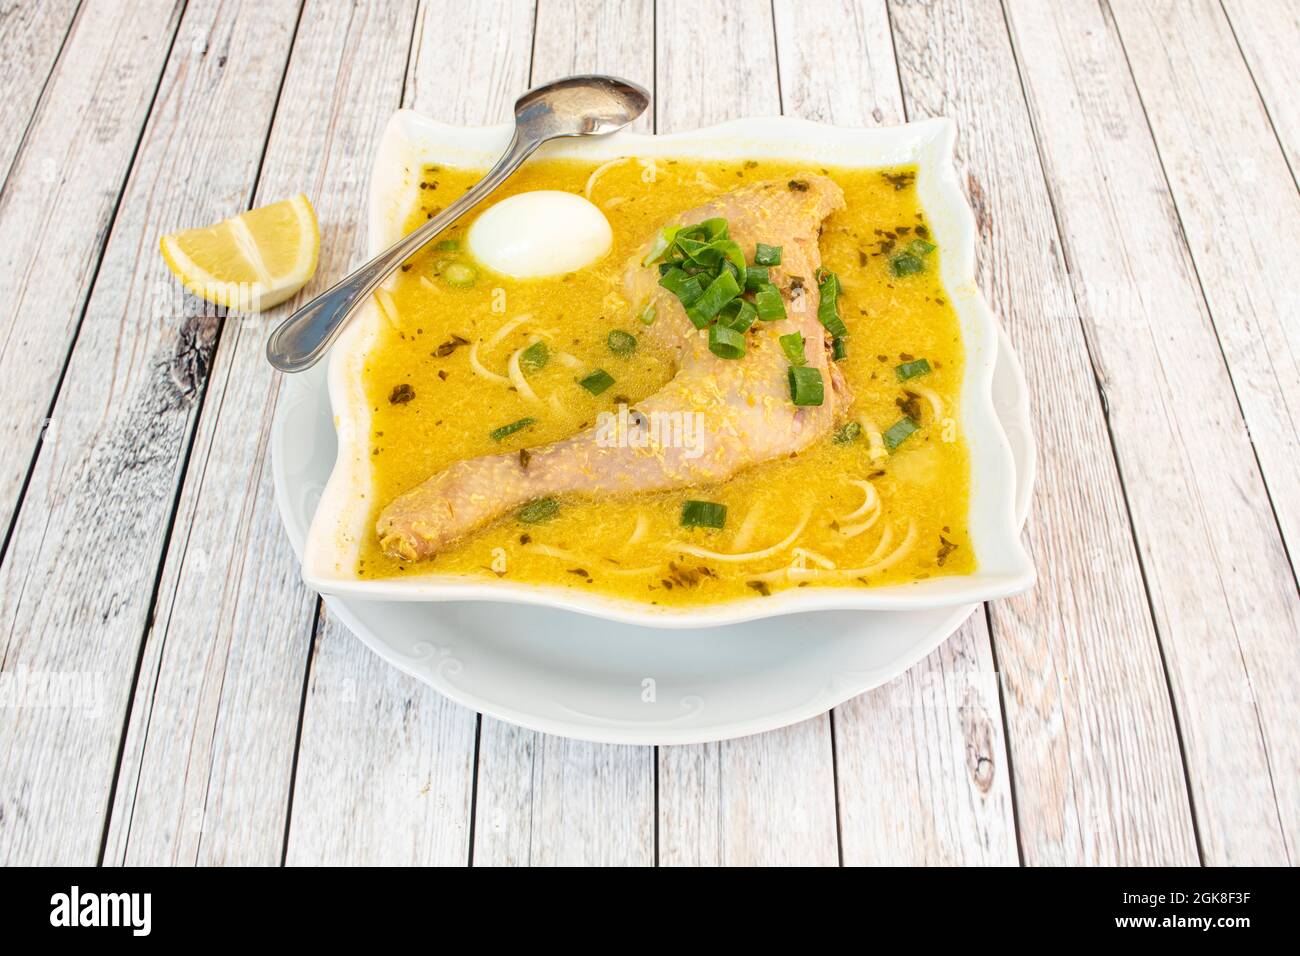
252 261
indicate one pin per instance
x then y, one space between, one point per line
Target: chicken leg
742 404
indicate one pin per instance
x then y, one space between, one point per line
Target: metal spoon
588 105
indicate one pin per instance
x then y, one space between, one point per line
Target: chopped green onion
765 255
897 433
459 275
716 228
912 369
828 309
906 264
597 381
648 314
543 509
448 245
660 245
792 346
738 315
756 277
839 348
848 433
505 431
912 260
534 357
720 291
770 305
703 514
726 343
688 289
714 253
805 385
620 342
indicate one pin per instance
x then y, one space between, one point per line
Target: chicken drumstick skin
745 403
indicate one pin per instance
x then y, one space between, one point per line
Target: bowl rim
411 139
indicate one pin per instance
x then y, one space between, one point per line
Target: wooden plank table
171 692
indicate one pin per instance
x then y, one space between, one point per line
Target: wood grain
59 202
765 800
548 801
1229 178
1239 210
225 660
1268 34
1227 633
922 771
77 580
386 765
31 37
1094 747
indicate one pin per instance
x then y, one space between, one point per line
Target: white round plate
579 676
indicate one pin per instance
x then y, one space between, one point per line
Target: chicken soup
672 381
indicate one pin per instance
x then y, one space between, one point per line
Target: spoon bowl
586 105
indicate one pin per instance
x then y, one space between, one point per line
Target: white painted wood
722 67
1268 32
1095 756
838 66
386 765
206 770
76 582
1223 592
542 799
922 771
1240 213
58 204
469 61
766 800
548 801
922 764
31 36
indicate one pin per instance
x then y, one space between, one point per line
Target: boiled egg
541 233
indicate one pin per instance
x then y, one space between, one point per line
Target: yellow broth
430 409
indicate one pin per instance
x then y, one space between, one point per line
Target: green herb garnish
828 308
847 434
597 381
505 431
459 274
898 432
620 342
534 357
912 259
543 509
770 305
912 369
792 346
806 386
726 343
703 514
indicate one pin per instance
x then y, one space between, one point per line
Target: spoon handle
299 342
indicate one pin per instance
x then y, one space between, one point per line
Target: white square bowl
411 141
